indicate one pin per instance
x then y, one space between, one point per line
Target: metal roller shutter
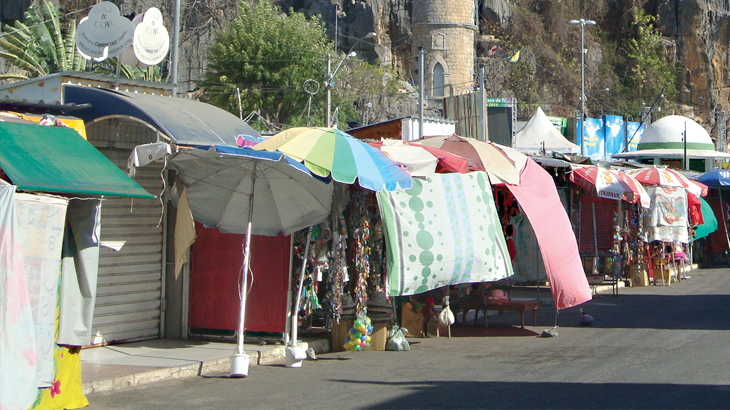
129 287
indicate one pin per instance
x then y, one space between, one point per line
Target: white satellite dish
151 40
105 33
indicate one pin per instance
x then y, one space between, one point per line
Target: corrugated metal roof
551 162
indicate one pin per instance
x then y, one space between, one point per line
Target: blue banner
593 138
633 136
615 134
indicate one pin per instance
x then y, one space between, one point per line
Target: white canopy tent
540 134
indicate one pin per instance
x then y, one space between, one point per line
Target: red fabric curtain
215 277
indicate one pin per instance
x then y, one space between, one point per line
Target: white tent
539 134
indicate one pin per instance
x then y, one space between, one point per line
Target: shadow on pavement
524 395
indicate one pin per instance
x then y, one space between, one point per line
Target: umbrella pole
287 326
246 260
295 312
240 361
724 220
595 236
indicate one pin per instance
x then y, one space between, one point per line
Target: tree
647 69
267 57
39 46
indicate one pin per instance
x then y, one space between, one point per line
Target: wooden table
520 306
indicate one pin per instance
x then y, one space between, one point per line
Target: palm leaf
73 56
53 25
21 61
43 39
13 76
19 30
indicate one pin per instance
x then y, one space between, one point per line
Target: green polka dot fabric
443 231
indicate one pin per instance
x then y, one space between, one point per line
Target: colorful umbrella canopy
221 180
610 183
717 177
710 221
667 177
483 156
421 160
331 152
659 176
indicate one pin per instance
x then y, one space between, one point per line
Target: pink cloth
538 197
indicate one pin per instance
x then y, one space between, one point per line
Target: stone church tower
447 30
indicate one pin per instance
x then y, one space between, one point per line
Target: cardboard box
340 332
663 274
411 320
638 275
379 336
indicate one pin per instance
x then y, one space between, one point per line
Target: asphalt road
655 347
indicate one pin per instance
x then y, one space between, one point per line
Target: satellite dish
105 33
151 40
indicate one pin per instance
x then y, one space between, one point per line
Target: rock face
699 29
696 34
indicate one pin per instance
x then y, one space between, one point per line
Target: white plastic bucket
294 356
239 365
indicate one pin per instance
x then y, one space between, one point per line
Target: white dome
668 133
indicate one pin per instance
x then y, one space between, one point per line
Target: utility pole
482 107
175 46
421 55
582 23
328 86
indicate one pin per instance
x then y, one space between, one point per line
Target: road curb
204 368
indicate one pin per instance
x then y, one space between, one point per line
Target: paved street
653 348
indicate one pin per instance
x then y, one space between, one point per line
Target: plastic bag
446 317
398 342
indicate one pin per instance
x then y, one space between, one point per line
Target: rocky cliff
695 34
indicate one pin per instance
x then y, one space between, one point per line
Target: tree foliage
361 85
647 70
626 53
268 57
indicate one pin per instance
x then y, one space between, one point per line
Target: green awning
59 160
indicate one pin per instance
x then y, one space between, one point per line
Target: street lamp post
582 23
329 81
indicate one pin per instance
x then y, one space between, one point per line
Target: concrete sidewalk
130 364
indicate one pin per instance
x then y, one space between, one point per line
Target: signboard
151 40
560 123
500 102
104 33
